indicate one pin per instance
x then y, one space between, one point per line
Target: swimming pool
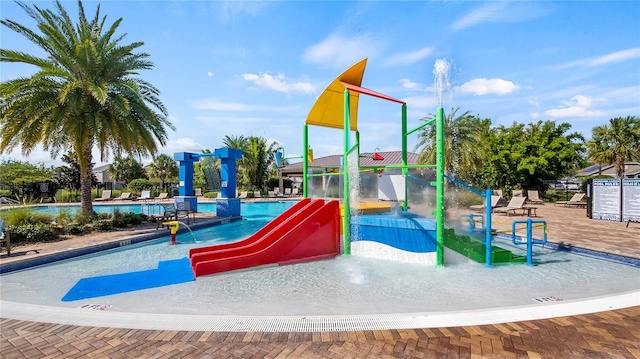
346 285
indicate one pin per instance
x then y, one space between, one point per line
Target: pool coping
221 323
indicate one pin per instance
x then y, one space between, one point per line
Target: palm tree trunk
86 203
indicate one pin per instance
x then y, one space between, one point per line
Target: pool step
476 250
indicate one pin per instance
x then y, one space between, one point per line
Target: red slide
309 230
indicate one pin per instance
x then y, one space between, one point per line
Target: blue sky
257 67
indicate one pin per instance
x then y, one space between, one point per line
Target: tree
525 156
257 158
126 170
23 178
85 92
69 176
617 143
462 142
164 168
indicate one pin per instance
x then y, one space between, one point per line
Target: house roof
366 159
631 169
101 168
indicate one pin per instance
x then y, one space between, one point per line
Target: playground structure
288 238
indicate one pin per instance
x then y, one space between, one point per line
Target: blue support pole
487 226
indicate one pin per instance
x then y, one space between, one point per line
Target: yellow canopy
328 111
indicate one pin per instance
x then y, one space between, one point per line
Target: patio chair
515 204
294 191
169 213
257 194
271 194
534 197
5 237
184 209
516 193
145 195
577 198
198 192
287 192
481 207
106 196
243 195
497 192
162 196
125 196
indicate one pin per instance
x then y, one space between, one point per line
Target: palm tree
462 142
163 167
617 143
85 93
598 150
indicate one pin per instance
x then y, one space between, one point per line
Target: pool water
346 285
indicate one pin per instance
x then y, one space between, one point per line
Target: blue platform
406 231
168 272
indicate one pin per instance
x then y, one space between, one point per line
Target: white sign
606 200
631 199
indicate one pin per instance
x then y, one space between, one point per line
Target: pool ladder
529 240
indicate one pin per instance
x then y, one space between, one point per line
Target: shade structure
328 110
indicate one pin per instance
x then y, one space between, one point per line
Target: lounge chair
516 193
271 194
257 194
481 207
515 204
533 197
497 192
5 237
106 196
162 196
125 196
287 192
294 191
243 195
575 200
198 192
145 195
169 213
184 209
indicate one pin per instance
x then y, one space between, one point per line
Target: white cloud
500 11
615 57
209 73
409 85
183 144
578 106
279 83
482 86
408 58
612 58
340 51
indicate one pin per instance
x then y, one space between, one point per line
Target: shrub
210 195
103 225
32 233
25 215
64 217
76 229
139 184
81 218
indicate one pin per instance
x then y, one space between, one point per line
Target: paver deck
610 334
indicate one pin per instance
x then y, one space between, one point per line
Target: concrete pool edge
218 323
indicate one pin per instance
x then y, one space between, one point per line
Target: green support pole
440 187
346 223
305 161
405 170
